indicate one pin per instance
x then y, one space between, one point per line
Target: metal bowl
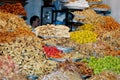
32 77
65 49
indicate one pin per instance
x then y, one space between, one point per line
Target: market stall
90 52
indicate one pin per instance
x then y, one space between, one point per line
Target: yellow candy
84 36
86 27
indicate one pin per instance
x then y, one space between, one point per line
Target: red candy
53 52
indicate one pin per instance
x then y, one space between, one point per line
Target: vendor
34 22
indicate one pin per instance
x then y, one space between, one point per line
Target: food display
107 75
84 69
100 6
107 27
62 31
106 63
16 9
45 30
99 48
86 27
62 75
24 47
100 23
53 52
110 24
9 22
15 76
84 36
7 66
94 48
11 36
28 54
64 42
79 67
78 4
108 43
51 31
88 16
69 70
